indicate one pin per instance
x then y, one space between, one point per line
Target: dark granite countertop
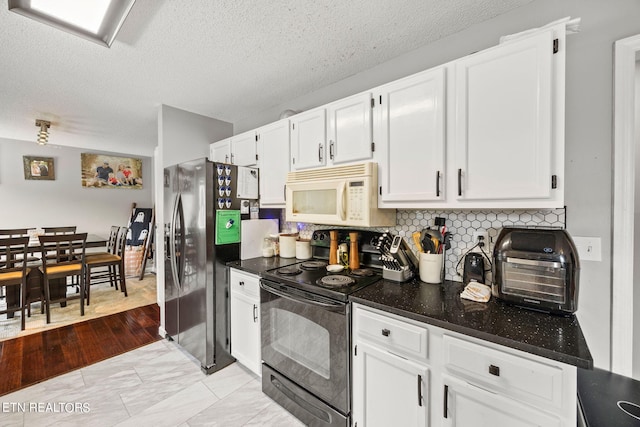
554 337
259 265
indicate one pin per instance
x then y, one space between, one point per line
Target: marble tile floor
155 385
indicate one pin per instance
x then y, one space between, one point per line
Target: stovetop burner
362 272
290 270
313 265
335 280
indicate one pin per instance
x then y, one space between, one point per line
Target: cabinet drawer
245 283
395 335
520 377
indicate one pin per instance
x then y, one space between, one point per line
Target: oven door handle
337 306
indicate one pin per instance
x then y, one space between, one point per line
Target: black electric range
312 275
608 399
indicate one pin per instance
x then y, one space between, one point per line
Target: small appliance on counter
537 268
398 261
473 268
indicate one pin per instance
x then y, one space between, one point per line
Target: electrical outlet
481 236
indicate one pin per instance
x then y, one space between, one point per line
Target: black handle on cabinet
255 313
437 183
331 149
241 283
231 158
419 390
320 153
446 400
459 182
386 332
494 370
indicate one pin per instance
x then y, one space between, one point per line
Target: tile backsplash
461 225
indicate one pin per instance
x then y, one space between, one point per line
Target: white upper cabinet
239 150
409 137
350 130
308 139
273 149
244 149
509 124
220 151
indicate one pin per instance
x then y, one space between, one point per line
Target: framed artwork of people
41 168
107 171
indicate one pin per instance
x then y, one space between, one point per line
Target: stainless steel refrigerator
202 234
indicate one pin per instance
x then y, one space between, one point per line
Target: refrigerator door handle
182 243
172 243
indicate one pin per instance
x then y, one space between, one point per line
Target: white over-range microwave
340 195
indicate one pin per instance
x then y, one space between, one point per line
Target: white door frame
623 206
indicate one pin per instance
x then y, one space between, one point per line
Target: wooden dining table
35 279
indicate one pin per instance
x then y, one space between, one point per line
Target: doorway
626 172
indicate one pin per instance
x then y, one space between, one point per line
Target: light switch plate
589 248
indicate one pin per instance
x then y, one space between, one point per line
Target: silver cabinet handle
231 158
320 152
255 313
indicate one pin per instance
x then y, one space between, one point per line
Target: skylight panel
87 15
95 20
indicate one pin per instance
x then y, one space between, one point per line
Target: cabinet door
467 405
308 139
504 121
243 149
220 151
350 132
409 123
273 144
388 390
245 330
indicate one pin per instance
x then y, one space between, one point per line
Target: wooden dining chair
13 271
34 292
114 262
107 273
68 261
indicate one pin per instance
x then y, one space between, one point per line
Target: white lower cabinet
245 319
412 374
468 405
388 390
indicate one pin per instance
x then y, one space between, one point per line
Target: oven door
306 338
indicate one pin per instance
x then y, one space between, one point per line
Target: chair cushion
101 259
63 269
11 276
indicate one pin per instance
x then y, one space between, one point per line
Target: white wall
182 136
636 229
588 156
63 201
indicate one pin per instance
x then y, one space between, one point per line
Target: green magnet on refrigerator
227 227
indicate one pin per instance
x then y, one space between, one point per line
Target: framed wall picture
107 171
39 168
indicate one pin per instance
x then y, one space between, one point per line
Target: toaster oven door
535 279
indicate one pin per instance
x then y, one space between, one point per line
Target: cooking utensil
416 240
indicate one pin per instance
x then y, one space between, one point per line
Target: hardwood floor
37 357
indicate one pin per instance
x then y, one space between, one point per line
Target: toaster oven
536 268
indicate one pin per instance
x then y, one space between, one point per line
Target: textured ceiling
225 59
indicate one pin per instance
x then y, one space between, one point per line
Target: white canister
288 245
303 249
431 267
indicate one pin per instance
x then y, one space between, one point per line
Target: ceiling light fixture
97 20
43 133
